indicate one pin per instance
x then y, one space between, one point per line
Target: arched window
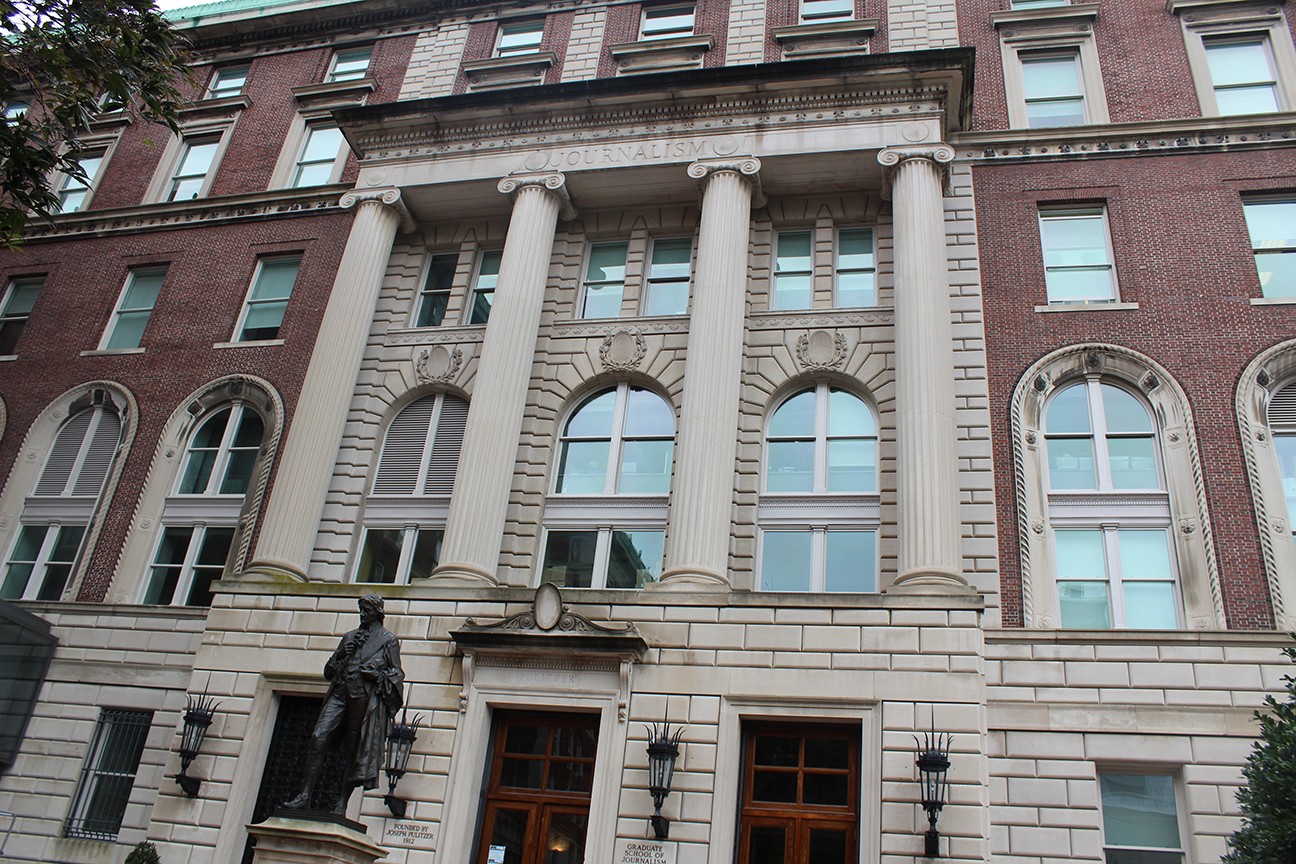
58 512
406 510
819 509
200 518
1111 509
1114 562
605 522
1282 426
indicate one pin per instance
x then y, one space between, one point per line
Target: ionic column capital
939 155
388 196
749 167
552 181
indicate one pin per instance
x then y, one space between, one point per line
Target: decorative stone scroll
391 196
821 350
554 181
438 364
748 167
891 157
622 351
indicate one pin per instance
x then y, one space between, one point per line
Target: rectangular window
41 562
603 558
483 292
800 794
1140 819
1052 90
1272 225
350 65
227 82
1077 256
521 38
666 22
669 271
856 269
435 296
1242 76
188 560
823 11
189 179
15 310
317 163
834 560
15 109
1115 577
133 309
793 271
399 555
108 774
605 274
72 192
268 298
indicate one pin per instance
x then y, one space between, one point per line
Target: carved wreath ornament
437 364
623 351
820 350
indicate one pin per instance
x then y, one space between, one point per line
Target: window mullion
602 550
1115 578
409 537
821 439
429 442
219 465
612 480
1098 421
37 578
818 559
184 581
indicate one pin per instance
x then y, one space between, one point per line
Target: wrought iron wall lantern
663 750
400 741
199 711
933 766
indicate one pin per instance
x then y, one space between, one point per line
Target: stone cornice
1178 6
338 93
206 108
1194 134
1043 16
272 204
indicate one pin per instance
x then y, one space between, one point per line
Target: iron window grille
108 775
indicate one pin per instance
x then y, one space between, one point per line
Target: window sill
1273 301
8 358
1044 16
111 352
262 343
659 55
1086 307
515 71
833 39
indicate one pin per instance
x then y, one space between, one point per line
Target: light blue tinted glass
856 289
667 298
645 467
228 82
1084 605
143 289
607 263
1073 241
569 558
91 165
647 414
1050 77
128 330
186 189
1080 285
198 158
855 249
790 466
827 10
1259 99
852 465
1037 4
488 273
785 561
594 418
1286 447
1133 463
1234 63
1150 606
1071 463
792 291
851 561
20 561
671 258
22 297
275 281
263 316
602 301
635 557
848 415
521 38
1125 413
350 65
582 467
793 252
380 559
1055 112
795 417
666 22
322 144
1068 412
1144 554
1277 273
316 174
1272 224
1080 554
1139 810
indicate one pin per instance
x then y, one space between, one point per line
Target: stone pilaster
927 489
475 524
701 505
297 499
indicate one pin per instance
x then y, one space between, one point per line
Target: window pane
851 561
322 144
1055 112
167 565
1133 463
594 418
602 301
1050 77
634 558
1084 605
276 278
1286 447
827 752
263 321
1071 463
795 418
1074 241
671 258
827 10
1080 285
793 252
667 298
583 466
209 565
1277 273
779 787
792 291
128 330
1139 810
350 65
852 465
427 553
848 415
380 559
855 249
648 414
569 558
1125 413
1259 99
1080 554
143 290
1237 63
1142 856
1144 554
790 466
22 297
1150 606
1272 224
856 289
785 561
1068 413
768 844
832 790
645 467
828 845
521 38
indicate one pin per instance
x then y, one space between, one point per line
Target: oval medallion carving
821 350
438 363
622 351
548 606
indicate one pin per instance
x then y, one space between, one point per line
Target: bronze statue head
372 604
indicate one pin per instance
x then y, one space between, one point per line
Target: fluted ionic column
475 524
927 489
702 498
310 451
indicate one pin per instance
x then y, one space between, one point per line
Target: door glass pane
507 836
522 773
828 846
766 845
779 787
566 841
827 752
575 741
525 739
571 776
785 562
777 750
826 789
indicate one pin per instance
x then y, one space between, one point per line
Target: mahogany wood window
538 792
800 795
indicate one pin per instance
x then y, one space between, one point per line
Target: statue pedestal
284 840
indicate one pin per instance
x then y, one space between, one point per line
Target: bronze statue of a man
366 684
